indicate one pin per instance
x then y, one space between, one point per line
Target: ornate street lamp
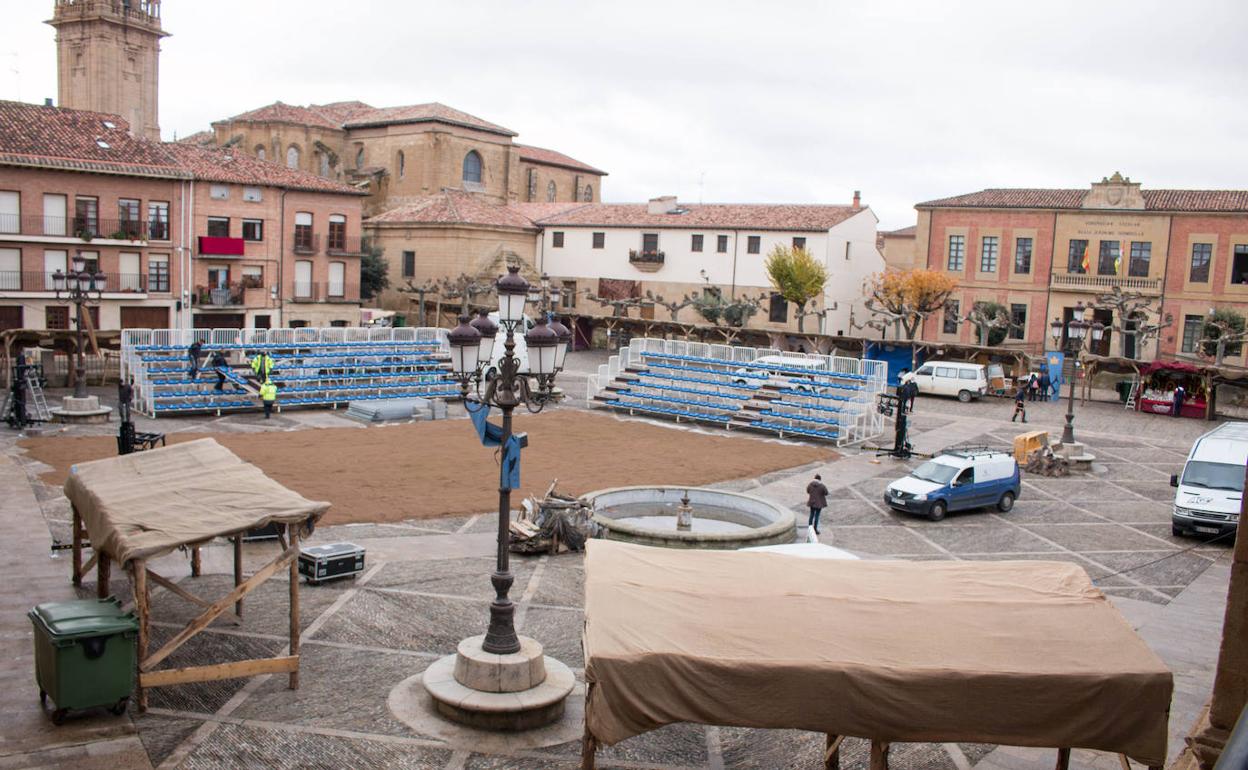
79 288
1076 332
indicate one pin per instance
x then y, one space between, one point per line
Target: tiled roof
454 207
199 137
214 164
1154 200
341 112
536 212
277 112
721 216
424 113
78 140
905 232
551 158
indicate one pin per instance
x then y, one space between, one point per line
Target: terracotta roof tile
277 112
1154 200
199 137
424 113
79 140
551 158
905 232
454 207
214 164
742 216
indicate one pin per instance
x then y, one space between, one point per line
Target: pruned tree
906 298
991 321
619 306
1130 313
673 308
797 276
1223 332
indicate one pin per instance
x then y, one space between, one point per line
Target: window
600 240
695 243
1022 256
1076 255
754 244
158 220
402 164
951 316
359 158
292 157
54 210
1192 327
53 260
409 264
130 271
253 277
260 151
1239 264
532 184
721 244
967 374
799 243
649 242
10 212
322 163
158 272
1201 254
219 192
550 191
218 277
128 217
92 259
337 232
253 229
1109 258
567 297
337 279
252 194
1141 255
303 231
778 312
11 269
219 227
988 254
957 252
303 279
588 195
472 167
56 317
1018 317
556 239
86 217
298 324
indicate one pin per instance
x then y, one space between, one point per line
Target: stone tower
107 56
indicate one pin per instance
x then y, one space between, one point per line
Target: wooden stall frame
140 575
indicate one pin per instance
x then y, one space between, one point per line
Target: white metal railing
1102 282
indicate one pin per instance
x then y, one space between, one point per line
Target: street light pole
1076 330
80 288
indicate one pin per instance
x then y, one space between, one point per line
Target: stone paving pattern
427 587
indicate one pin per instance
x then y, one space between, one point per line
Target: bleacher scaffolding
313 367
831 399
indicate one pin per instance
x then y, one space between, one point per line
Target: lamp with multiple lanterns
79 287
1077 330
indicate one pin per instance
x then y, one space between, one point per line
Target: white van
1212 483
951 378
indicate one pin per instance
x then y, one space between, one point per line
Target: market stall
1017 653
138 507
1158 381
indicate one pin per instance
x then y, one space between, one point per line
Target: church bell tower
108 59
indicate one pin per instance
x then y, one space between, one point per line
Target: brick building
187 236
1040 251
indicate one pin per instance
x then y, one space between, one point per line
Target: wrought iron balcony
315 291
116 283
83 228
345 245
218 296
306 242
645 257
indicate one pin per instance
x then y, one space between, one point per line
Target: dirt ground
430 469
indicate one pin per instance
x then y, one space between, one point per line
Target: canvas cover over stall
1015 653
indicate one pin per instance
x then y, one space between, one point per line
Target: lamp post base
1074 453
81 410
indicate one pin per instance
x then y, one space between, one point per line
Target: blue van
956 480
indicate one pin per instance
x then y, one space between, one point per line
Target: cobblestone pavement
427 587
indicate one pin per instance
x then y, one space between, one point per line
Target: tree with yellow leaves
905 298
797 276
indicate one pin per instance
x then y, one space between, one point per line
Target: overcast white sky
799 102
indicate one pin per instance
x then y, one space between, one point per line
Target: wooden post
832 752
138 568
292 532
195 562
879 755
1063 759
103 575
238 571
77 553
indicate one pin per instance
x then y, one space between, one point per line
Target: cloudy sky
743 101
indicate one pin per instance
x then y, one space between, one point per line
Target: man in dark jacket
816 500
1046 386
194 353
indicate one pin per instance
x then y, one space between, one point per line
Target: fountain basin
721 520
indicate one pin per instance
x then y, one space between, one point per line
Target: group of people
1035 387
261 364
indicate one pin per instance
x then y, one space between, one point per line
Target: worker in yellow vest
268 394
262 365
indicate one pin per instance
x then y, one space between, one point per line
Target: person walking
906 393
816 500
194 353
1046 385
1179 395
1020 403
268 394
1033 387
219 364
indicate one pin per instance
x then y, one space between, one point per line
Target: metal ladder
1135 387
36 397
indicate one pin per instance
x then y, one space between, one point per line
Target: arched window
323 158
472 167
550 191
402 164
588 195
292 157
359 158
260 151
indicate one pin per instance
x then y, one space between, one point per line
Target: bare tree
1130 313
673 308
988 317
619 307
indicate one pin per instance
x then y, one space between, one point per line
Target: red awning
220 247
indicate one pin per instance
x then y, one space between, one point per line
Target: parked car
1207 498
761 365
955 480
951 378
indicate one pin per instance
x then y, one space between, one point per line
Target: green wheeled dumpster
84 654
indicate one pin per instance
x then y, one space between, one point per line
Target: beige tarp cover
1017 653
146 504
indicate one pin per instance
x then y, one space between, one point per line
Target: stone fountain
664 516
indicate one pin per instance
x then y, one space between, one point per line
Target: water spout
684 514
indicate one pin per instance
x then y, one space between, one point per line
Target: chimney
664 204
857 200
47 102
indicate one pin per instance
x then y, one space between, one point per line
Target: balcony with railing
1103 283
345 245
144 12
316 291
210 297
306 242
115 283
82 228
648 261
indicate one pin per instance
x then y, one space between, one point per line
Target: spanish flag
1087 264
